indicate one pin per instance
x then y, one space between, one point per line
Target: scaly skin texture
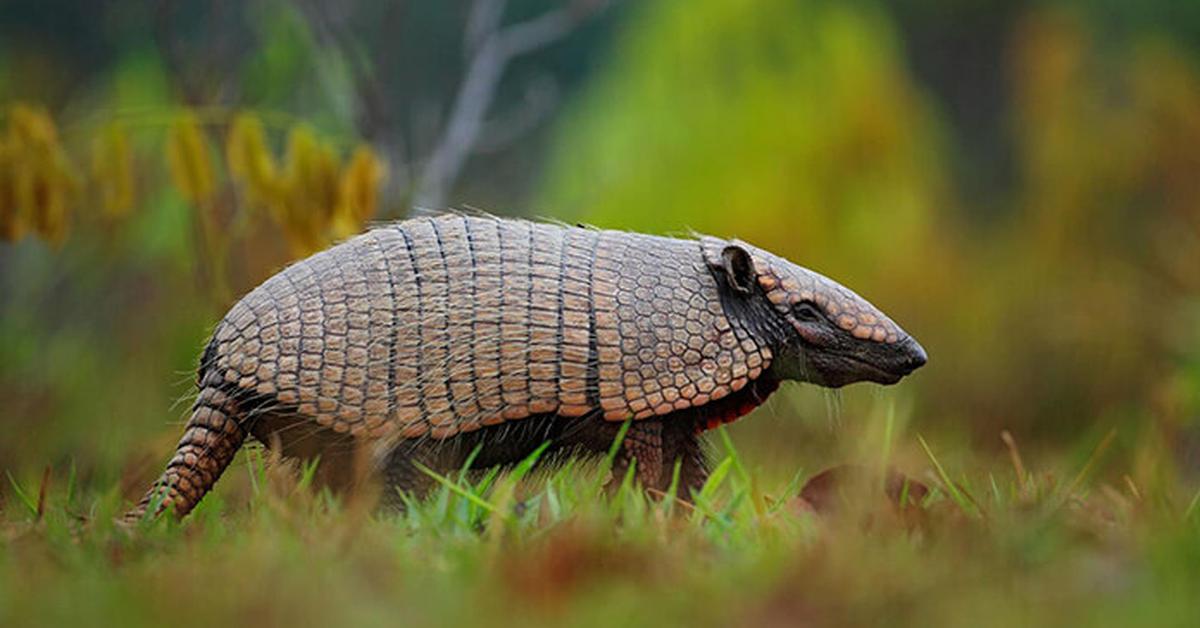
212 437
421 340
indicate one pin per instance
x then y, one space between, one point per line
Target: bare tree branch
489 47
543 30
504 129
499 46
483 20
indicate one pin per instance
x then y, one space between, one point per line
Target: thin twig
498 47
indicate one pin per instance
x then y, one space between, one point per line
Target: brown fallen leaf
828 492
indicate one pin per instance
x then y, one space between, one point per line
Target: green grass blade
308 473
1077 481
489 478
25 498
673 489
70 493
716 479
1191 507
526 465
458 490
790 490
964 504
733 455
626 483
466 465
616 444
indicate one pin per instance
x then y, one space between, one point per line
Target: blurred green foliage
798 127
1014 182
1057 306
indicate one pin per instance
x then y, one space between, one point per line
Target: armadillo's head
820 331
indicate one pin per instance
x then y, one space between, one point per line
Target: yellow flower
189 157
11 227
358 192
41 178
311 187
112 169
250 161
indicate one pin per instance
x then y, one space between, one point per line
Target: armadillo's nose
914 354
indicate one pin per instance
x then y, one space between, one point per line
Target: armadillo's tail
210 440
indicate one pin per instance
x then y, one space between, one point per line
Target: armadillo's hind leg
210 440
403 474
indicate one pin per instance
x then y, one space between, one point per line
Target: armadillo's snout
888 363
913 355
854 360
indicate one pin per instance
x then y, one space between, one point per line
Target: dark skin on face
835 357
823 333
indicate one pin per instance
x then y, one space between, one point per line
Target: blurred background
1015 182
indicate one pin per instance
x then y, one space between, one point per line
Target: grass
549 548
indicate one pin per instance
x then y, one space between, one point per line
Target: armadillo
436 341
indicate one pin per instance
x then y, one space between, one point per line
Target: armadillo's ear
738 267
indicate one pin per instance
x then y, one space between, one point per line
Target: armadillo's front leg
681 442
653 446
642 448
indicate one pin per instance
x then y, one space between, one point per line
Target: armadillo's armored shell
786 284
435 326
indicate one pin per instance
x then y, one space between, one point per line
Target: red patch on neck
737 405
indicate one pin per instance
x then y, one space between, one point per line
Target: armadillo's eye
806 311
